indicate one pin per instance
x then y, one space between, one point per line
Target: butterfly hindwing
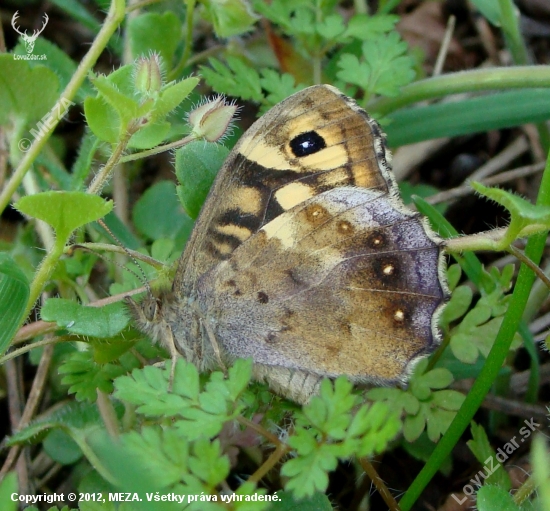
344 283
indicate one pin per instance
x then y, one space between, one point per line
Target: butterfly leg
174 355
215 345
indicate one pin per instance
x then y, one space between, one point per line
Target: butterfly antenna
143 277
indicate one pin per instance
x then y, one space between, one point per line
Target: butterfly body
304 257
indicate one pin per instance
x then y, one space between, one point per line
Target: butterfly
305 258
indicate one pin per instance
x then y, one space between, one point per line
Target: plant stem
488 240
520 77
111 23
493 364
104 174
158 149
525 260
28 347
372 474
190 11
42 275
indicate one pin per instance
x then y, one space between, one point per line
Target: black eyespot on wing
307 143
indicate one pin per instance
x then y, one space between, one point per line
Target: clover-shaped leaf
64 211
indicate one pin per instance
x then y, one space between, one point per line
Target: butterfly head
147 315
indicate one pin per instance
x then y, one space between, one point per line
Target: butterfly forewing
263 176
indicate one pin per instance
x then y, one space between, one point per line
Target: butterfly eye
307 143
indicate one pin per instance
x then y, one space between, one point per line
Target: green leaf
148 389
208 463
490 9
493 498
58 62
163 450
64 211
71 417
150 135
106 321
203 413
363 26
102 119
85 377
235 79
425 408
308 473
197 165
61 448
125 106
172 95
473 115
14 294
239 376
448 399
413 426
317 502
230 17
158 214
19 95
278 86
154 32
384 69
131 470
458 305
331 27
541 469
453 276
438 378
8 486
82 166
79 12
484 453
327 431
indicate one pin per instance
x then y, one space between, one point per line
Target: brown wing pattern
345 283
270 172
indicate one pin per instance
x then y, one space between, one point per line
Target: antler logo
28 39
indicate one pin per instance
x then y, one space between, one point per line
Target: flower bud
148 75
211 120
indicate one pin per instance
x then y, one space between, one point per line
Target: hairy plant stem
104 174
159 149
372 474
